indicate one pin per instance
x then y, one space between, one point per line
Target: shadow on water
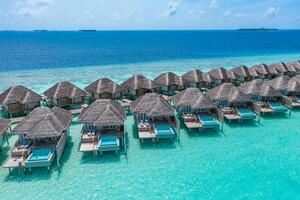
4 153
161 144
206 133
278 116
91 158
244 124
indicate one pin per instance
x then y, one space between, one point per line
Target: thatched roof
64 89
4 125
294 85
293 66
19 94
103 112
103 85
276 68
260 69
194 76
241 71
152 105
280 83
193 98
44 122
208 78
138 82
227 92
169 79
260 88
219 73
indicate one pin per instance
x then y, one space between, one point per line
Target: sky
148 14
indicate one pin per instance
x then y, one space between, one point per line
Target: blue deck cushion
277 107
40 154
245 113
208 121
110 140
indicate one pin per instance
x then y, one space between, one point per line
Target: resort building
4 126
195 79
266 98
233 104
293 67
42 137
261 71
289 89
243 72
137 86
196 109
278 69
154 117
220 75
104 88
18 100
209 81
168 83
103 127
66 95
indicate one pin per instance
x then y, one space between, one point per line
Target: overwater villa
266 98
42 137
261 71
233 104
243 72
195 79
103 127
18 100
278 69
154 117
196 109
209 81
293 67
4 127
168 83
66 95
220 75
137 86
104 88
289 89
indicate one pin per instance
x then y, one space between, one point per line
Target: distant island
258 29
40 30
87 30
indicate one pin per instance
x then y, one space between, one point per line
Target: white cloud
30 8
227 13
271 12
214 4
128 14
172 8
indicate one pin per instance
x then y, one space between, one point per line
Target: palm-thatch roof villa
220 75
137 86
278 69
289 89
4 126
208 80
19 100
243 72
168 83
104 88
232 102
42 137
195 78
293 67
260 71
65 94
196 109
266 98
103 127
154 117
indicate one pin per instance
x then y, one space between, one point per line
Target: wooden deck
232 116
76 111
146 135
16 120
266 110
88 146
296 104
193 125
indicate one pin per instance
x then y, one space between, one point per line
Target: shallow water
251 161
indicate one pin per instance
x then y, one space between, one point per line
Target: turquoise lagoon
249 161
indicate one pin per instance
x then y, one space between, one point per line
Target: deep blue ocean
32 50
